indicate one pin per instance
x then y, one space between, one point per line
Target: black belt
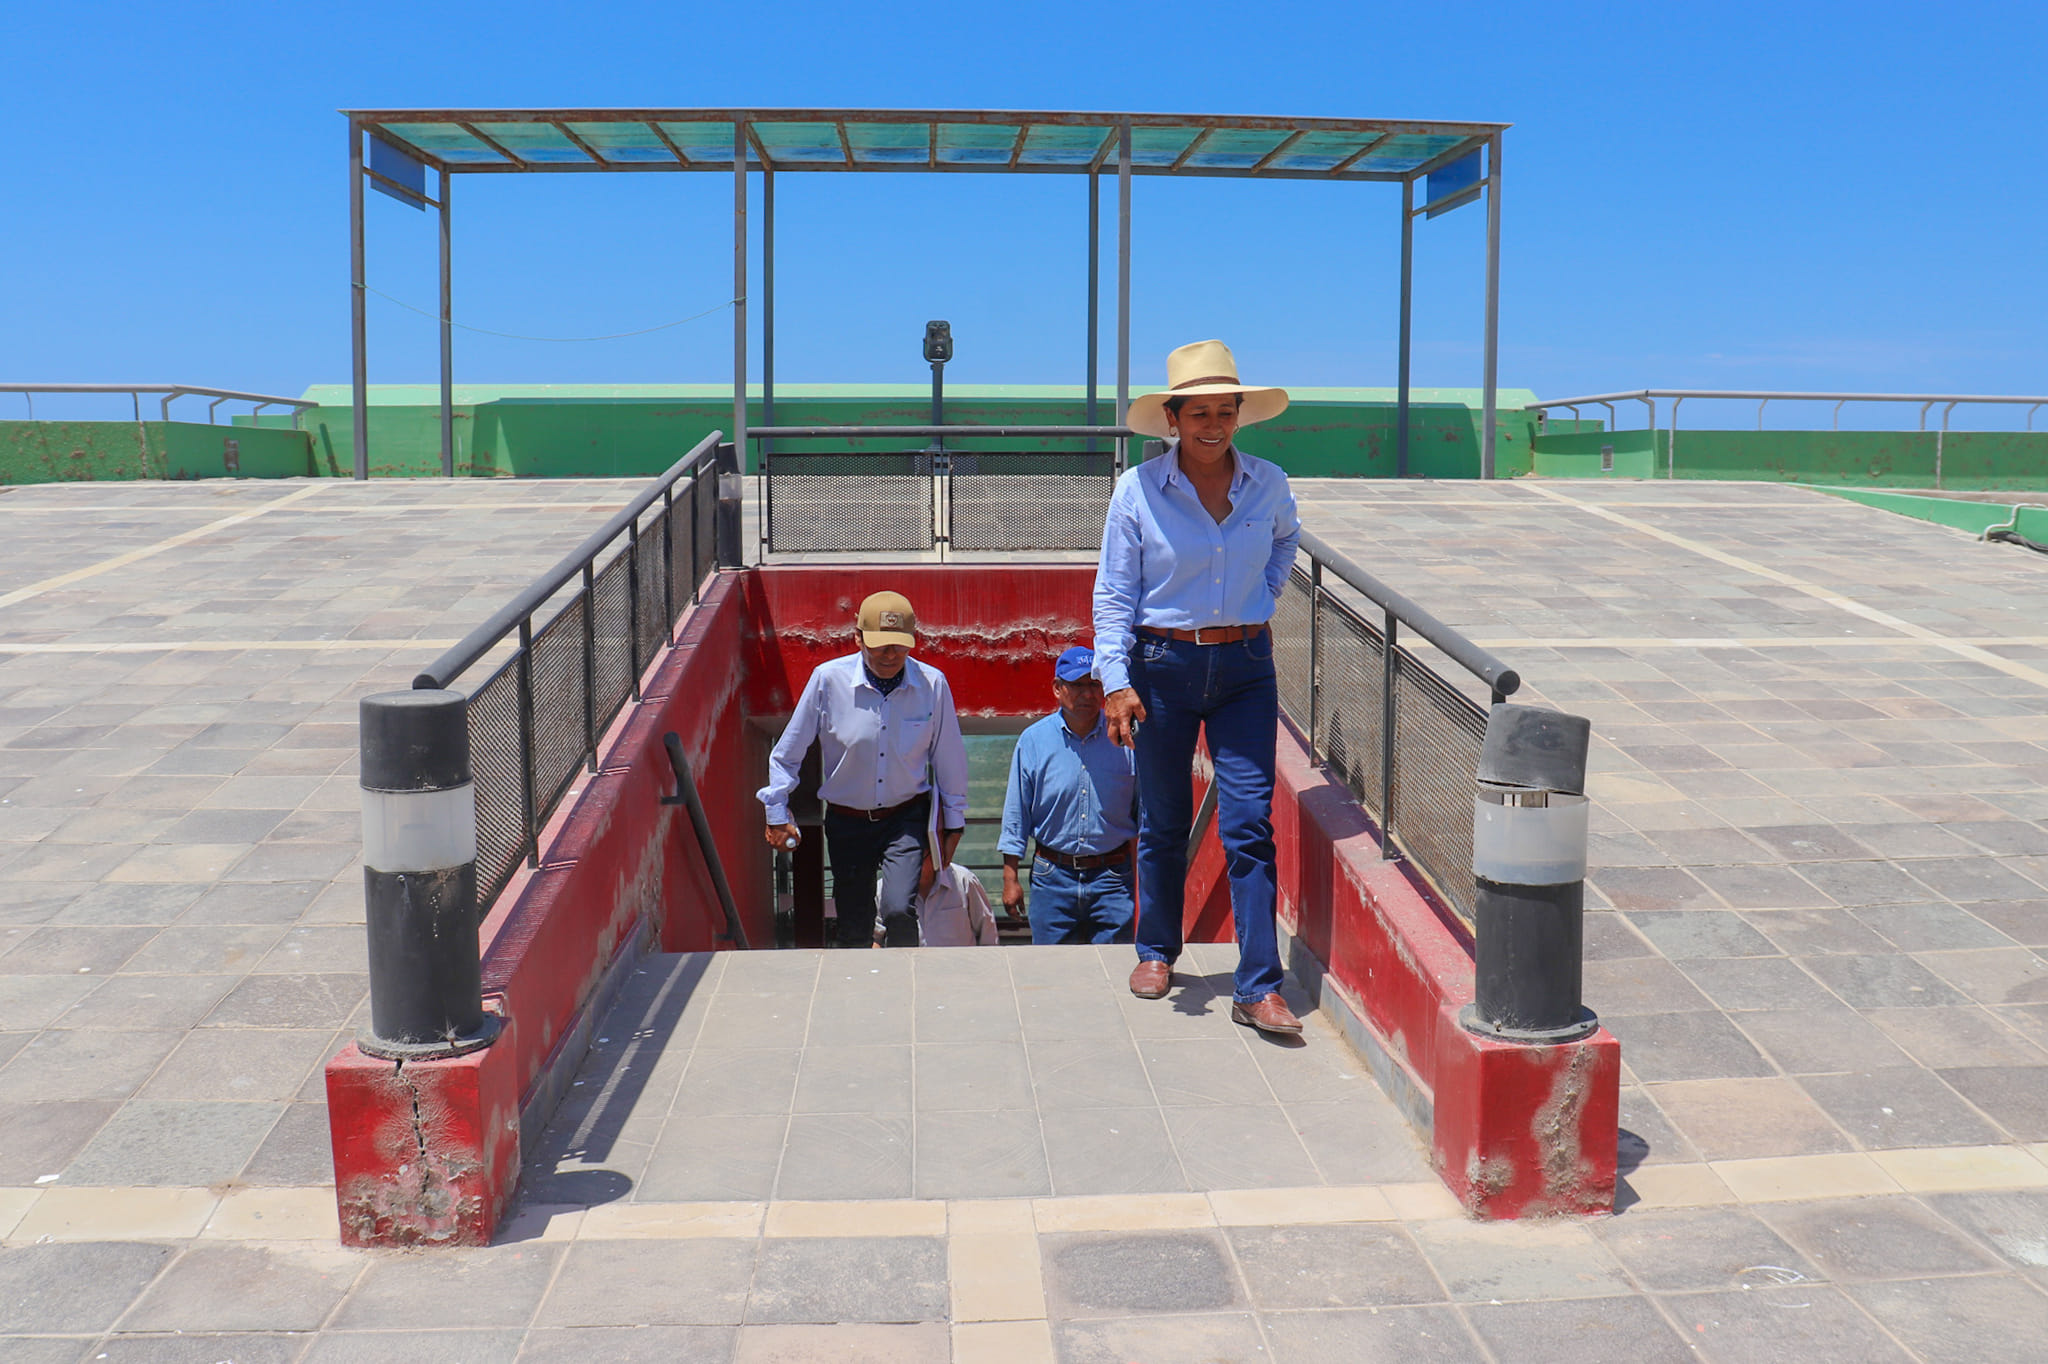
1086 863
883 812
1218 634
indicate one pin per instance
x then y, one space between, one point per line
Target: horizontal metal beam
403 190
170 390
1762 396
1005 117
918 167
1498 676
910 432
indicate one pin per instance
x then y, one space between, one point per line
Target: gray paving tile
83 1064
2014 1223
1647 985
846 1155
1681 934
1899 1107
1369 1265
413 1347
725 1081
834 1079
733 1019
1239 1147
2011 1096
1110 1151
1207 1336
40 1139
194 1347
76 1286
633 1283
129 902
246 1288
1587 1331
273 902
73 949
1803 1321
291 1001
1888 982
2001 975
994 1154
1123 1273
1816 932
1401 1335
975 1076
1962 1036
497 1286
1876 1238
1740 984
1358 1141
1686 1249
1931 927
239 1063
712 1159
850 1279
1976 1320
298 1152
629 1344
1547 1260
204 949
1068 1013
1820 1040
174 1142
1088 1074
1689 1046
147 1003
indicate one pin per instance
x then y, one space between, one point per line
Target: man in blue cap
1075 794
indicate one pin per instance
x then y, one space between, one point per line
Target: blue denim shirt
1167 562
1074 795
876 749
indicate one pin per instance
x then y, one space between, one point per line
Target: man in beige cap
887 734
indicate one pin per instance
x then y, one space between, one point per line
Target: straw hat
1195 369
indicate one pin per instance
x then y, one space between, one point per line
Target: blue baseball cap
1075 664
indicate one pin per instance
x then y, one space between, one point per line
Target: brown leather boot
1151 979
1270 1014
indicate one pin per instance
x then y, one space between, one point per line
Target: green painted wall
66 452
1577 454
2030 521
1982 460
570 431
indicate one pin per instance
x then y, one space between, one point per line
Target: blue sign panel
1452 186
400 173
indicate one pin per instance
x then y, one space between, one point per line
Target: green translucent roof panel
911 139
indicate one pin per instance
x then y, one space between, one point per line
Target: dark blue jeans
860 848
1227 691
1069 906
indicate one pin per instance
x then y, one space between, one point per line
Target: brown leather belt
848 812
1090 862
1211 634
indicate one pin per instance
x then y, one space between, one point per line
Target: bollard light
419 878
1529 862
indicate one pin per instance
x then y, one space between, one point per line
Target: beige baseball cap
886 618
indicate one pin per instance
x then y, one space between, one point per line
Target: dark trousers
1226 693
859 849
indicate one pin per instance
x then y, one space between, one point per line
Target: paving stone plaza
1819 901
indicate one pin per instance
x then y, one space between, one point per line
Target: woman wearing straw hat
1197 547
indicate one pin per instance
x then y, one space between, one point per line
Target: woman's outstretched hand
1126 712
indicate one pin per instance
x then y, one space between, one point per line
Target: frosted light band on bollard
419 878
1529 844
419 830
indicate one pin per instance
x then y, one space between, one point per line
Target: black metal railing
1403 738
915 500
536 720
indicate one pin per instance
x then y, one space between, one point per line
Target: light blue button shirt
1166 562
1074 795
875 748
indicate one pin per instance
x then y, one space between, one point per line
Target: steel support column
767 300
1123 274
447 340
739 293
358 329
1489 383
1407 304
1094 287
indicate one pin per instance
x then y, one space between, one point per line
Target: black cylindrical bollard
726 524
1529 862
419 877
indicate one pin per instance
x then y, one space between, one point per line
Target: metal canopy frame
766 141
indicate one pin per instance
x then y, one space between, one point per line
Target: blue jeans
1069 906
1228 691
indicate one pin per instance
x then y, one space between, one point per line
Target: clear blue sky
1782 195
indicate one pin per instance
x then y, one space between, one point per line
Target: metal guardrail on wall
536 720
1402 737
170 392
920 499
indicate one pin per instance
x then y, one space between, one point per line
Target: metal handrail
170 392
1763 397
1499 678
912 432
520 609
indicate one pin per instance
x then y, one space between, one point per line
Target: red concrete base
1514 1131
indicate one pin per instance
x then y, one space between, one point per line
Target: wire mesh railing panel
681 560
1029 501
1437 735
1293 666
560 742
1351 709
652 616
706 539
612 651
499 773
819 503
